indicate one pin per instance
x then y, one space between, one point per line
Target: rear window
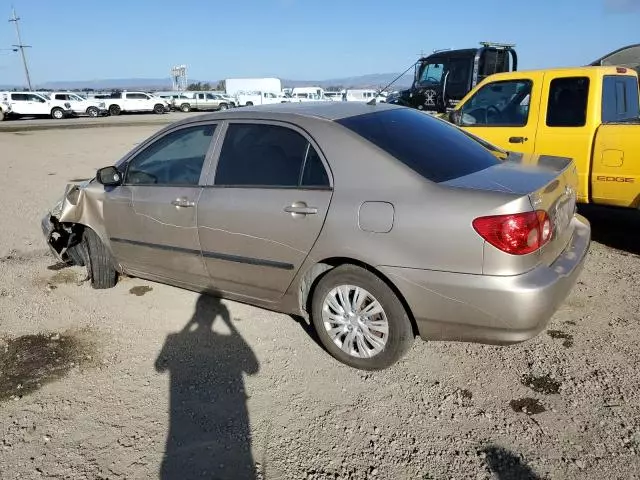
620 99
434 149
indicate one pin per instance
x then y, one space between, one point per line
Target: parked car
120 102
32 104
80 105
378 222
202 101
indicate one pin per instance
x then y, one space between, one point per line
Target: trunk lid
549 182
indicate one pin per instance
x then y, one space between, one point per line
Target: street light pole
20 46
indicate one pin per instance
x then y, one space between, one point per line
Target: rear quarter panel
616 165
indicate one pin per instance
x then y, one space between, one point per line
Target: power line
21 46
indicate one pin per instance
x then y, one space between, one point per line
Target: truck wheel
57 113
92 112
114 110
158 109
185 107
1 115
249 104
223 106
100 265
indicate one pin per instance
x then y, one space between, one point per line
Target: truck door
615 175
567 122
505 112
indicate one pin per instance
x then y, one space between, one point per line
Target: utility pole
20 46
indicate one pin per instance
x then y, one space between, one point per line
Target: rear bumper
492 309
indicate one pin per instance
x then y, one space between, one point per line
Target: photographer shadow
209 433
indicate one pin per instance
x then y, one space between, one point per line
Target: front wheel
57 113
114 110
1 115
100 264
158 109
185 107
223 106
249 104
93 112
359 319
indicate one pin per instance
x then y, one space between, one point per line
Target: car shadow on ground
506 465
209 434
617 228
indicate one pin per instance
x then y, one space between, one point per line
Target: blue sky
297 39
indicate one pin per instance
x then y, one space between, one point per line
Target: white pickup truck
247 99
120 102
32 104
80 105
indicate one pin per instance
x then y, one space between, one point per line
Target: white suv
80 105
33 104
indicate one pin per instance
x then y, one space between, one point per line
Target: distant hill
374 80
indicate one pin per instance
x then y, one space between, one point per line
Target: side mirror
109 177
455 116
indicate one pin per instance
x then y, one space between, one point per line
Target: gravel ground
93 383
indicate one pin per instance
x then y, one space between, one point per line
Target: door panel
151 220
566 124
250 244
505 112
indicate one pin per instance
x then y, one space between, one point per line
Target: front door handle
183 202
517 139
300 208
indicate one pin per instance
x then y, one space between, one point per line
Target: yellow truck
589 114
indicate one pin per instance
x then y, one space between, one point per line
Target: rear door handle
517 139
300 208
183 202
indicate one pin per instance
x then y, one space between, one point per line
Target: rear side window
434 149
567 106
620 99
255 155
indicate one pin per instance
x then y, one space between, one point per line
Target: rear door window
620 101
263 155
567 106
434 149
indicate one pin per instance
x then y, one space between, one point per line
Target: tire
115 110
77 254
158 109
100 265
57 113
1 115
399 335
223 106
185 107
249 104
93 112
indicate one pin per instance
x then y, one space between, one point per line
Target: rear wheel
57 113
185 107
359 319
100 264
158 109
249 104
92 112
115 110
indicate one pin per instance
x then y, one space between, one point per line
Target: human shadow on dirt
209 434
506 465
617 228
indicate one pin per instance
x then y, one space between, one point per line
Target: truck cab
588 114
443 78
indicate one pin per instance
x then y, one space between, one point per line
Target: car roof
290 111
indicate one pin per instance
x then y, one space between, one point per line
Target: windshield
430 73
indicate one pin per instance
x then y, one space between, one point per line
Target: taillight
518 233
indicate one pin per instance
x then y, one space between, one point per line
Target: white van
363 95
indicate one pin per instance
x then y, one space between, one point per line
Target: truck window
431 73
620 101
503 104
567 105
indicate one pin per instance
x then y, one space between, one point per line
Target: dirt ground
93 383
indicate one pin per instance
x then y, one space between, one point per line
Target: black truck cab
443 78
